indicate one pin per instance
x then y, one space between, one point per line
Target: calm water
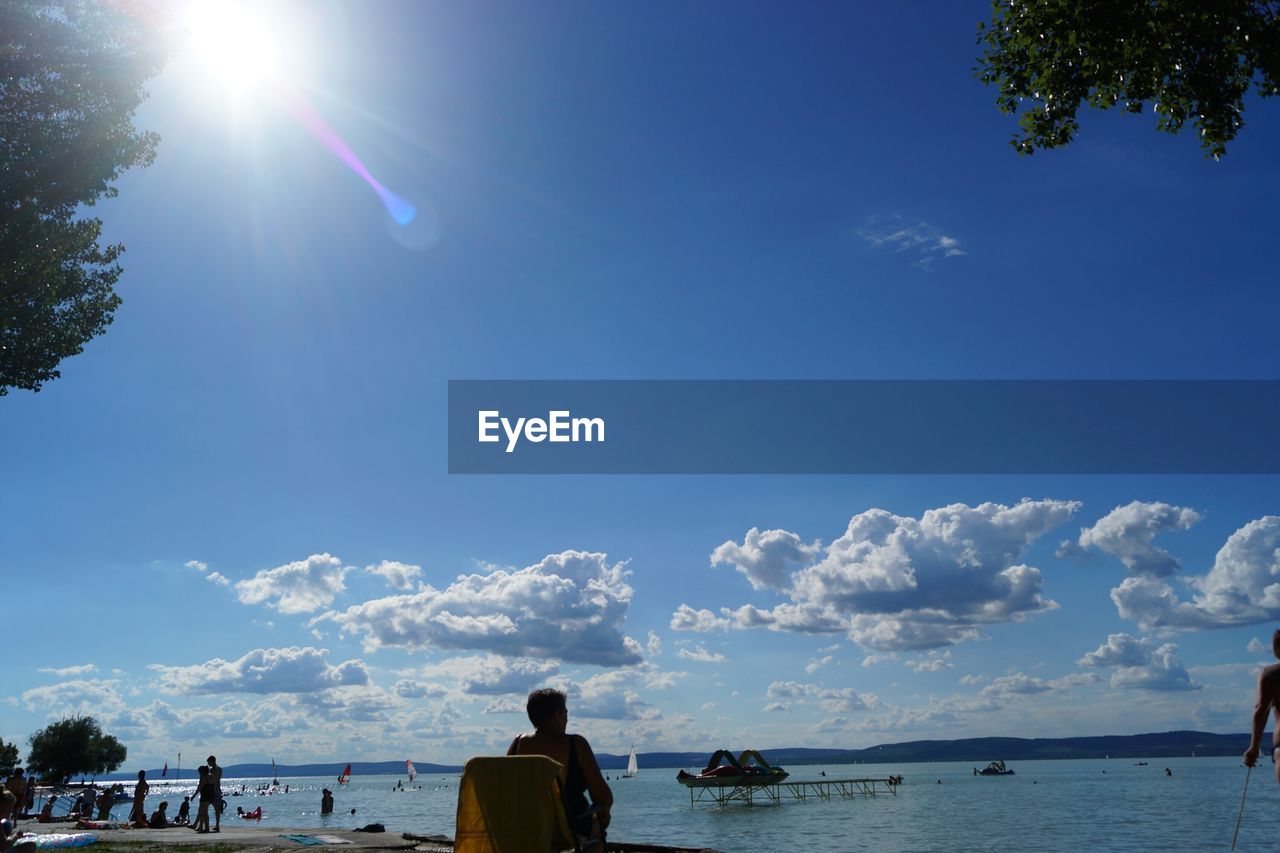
1048 805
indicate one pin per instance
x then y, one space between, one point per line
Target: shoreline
259 839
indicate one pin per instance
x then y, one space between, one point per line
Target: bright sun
235 44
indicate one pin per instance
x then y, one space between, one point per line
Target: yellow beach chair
511 804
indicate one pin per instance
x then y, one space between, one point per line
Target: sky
230 527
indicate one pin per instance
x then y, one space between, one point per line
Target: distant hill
358 768
982 749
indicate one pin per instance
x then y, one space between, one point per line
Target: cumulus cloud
701 655
841 699
897 583
921 242
763 558
401 576
569 606
1242 587
504 706
1136 662
70 671
198 565
687 619
300 587
78 696
408 688
802 618
496 676
217 579
1257 646
1127 533
610 696
935 662
287 670
816 664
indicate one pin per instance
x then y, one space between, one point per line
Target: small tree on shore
76 745
8 757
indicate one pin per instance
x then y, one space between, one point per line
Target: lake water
1047 805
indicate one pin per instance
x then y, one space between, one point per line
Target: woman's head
543 705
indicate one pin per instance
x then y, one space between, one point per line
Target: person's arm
1266 698
601 794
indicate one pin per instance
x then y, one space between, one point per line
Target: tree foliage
71 75
8 757
76 745
1193 60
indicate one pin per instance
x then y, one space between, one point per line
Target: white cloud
217 578
1127 533
1257 646
91 697
70 671
841 699
1021 684
505 706
763 558
496 676
1242 587
976 678
401 576
569 606
197 565
653 647
287 670
1138 663
687 619
932 664
800 618
777 707
408 688
921 242
702 655
609 696
897 583
816 664
300 587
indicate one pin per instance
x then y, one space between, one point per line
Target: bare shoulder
1269 679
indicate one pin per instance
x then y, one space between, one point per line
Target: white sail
410 769
632 767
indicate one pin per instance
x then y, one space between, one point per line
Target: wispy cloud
922 243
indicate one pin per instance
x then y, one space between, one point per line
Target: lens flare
400 209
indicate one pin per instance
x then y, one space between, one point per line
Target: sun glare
236 45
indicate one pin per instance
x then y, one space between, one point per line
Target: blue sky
229 528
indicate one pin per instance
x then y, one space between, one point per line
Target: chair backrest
511 804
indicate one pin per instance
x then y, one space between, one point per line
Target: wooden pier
773 793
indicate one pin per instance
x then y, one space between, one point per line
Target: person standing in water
1268 699
139 812
215 781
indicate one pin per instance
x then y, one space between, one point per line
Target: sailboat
346 775
410 769
632 767
275 779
